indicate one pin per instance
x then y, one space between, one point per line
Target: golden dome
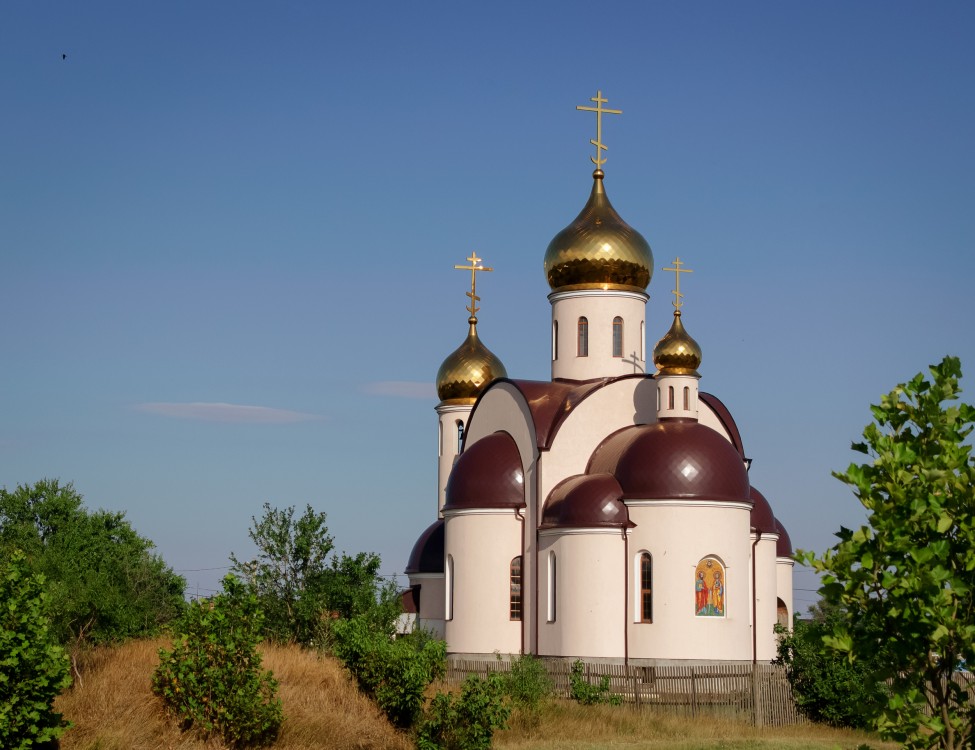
598 250
467 370
677 353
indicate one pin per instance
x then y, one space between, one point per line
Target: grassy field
113 708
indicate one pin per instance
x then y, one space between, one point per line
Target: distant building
606 513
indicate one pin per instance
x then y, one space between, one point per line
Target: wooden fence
758 693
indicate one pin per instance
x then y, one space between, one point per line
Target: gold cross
474 267
677 272
598 109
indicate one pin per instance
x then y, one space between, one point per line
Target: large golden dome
598 250
677 353
467 370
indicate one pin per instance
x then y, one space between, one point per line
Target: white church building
607 513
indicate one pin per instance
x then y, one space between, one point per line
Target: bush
33 668
828 688
527 685
212 679
395 673
468 722
585 692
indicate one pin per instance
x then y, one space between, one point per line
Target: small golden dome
467 370
598 250
677 353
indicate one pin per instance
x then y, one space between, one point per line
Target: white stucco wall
481 545
783 586
448 415
590 594
678 383
599 307
678 534
766 584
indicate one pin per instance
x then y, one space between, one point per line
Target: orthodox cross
474 267
677 272
598 109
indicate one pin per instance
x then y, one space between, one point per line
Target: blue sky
228 231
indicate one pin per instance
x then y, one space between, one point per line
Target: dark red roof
762 518
783 547
427 554
724 416
488 474
550 402
585 502
673 459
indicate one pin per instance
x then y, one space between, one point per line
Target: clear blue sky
260 205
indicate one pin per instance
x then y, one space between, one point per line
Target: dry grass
567 725
114 708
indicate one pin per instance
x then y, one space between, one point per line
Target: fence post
756 712
636 686
693 692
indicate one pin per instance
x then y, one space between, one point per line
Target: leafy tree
906 578
827 687
103 580
302 584
212 679
585 692
33 668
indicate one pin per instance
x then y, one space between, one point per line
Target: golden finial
677 272
598 109
474 267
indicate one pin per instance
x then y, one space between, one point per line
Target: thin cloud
219 412
400 389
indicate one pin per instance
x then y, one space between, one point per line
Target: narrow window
449 613
646 588
555 340
670 397
551 586
516 588
460 433
617 336
583 346
687 398
709 588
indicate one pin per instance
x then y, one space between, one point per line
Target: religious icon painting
709 588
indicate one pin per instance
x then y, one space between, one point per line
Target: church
605 514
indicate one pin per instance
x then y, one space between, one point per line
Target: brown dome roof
586 502
598 250
487 474
427 554
762 518
783 548
673 459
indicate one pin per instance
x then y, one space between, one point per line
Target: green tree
906 578
33 667
212 679
827 687
103 579
302 584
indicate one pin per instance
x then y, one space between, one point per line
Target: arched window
516 588
617 336
555 340
670 397
449 605
582 348
687 398
551 586
646 587
782 614
710 584
460 436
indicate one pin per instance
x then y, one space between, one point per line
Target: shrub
33 668
527 685
468 722
395 673
212 679
585 692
